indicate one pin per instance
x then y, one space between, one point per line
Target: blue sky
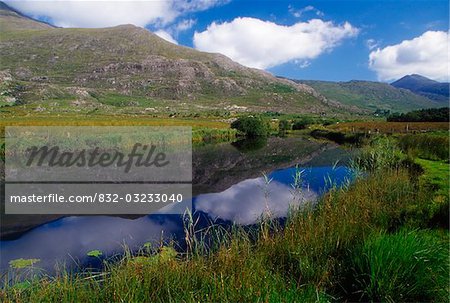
397 37
386 22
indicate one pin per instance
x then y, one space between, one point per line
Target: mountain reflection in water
68 240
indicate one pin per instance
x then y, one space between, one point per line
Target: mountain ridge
434 90
128 66
371 96
130 69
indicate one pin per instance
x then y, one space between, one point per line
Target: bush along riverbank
381 238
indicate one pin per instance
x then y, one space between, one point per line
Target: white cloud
196 5
263 44
185 25
166 36
168 33
98 13
246 201
427 55
103 13
302 63
298 13
371 44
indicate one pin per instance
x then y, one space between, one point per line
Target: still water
233 183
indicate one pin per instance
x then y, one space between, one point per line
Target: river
232 183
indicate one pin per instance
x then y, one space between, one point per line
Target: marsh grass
432 147
405 266
213 135
358 242
300 261
382 152
390 127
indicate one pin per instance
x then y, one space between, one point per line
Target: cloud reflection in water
246 201
72 237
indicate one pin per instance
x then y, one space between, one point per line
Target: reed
359 242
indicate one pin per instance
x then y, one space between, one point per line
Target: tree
302 123
251 126
423 115
284 126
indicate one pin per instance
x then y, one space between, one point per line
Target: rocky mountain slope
129 68
11 19
426 87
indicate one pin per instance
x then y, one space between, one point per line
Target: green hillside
371 96
129 69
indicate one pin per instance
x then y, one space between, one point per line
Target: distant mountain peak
415 78
424 86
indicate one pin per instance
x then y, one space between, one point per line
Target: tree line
423 115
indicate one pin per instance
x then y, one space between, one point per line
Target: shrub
382 153
251 126
302 123
284 125
2 152
408 266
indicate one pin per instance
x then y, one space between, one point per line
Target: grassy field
390 127
108 120
434 146
203 129
374 240
436 175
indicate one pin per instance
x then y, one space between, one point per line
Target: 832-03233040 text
77 170
99 198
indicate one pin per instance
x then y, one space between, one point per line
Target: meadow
382 238
389 127
204 130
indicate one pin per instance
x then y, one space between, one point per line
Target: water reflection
216 167
247 201
251 144
227 183
70 238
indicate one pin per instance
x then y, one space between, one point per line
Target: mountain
423 86
11 19
371 96
129 69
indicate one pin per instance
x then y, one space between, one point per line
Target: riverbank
377 239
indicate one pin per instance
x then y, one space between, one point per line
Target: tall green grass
359 242
408 266
381 153
301 261
433 147
208 135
